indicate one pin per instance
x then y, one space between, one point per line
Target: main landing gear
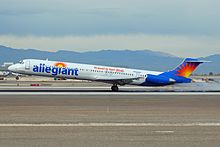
114 88
17 78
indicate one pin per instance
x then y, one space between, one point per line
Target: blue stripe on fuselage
177 79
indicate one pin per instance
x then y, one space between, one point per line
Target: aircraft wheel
17 78
115 88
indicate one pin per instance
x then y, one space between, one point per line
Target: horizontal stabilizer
186 68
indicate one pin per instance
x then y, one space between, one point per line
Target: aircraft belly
137 82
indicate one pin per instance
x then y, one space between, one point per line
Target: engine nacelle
158 79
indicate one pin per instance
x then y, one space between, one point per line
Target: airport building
5 66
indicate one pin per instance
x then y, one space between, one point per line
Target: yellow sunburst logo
60 64
186 69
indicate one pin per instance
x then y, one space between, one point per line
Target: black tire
115 88
17 78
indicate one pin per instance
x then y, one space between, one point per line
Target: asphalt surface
109 120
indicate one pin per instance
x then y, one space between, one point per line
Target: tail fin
186 68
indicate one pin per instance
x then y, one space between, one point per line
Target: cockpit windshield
21 62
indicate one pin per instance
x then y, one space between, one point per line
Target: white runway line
164 132
95 87
110 93
114 125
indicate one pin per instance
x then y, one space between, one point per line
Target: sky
185 28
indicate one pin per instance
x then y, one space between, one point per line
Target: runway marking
79 87
164 132
94 87
110 93
109 87
115 125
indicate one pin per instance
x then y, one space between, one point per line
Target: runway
124 120
100 90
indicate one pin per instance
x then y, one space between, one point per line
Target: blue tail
187 67
181 73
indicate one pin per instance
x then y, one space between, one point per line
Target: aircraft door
27 64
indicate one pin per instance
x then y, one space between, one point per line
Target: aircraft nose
11 68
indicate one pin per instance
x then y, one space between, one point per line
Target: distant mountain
213 66
141 59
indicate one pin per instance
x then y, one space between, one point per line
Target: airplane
112 75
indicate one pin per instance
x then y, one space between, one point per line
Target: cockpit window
21 62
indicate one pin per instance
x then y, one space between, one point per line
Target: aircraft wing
120 81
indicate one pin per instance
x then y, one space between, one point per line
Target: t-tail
181 73
187 67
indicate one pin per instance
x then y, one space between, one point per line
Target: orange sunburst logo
186 69
60 64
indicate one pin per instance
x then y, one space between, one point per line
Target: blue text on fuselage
42 68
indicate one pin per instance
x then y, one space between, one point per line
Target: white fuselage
80 71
